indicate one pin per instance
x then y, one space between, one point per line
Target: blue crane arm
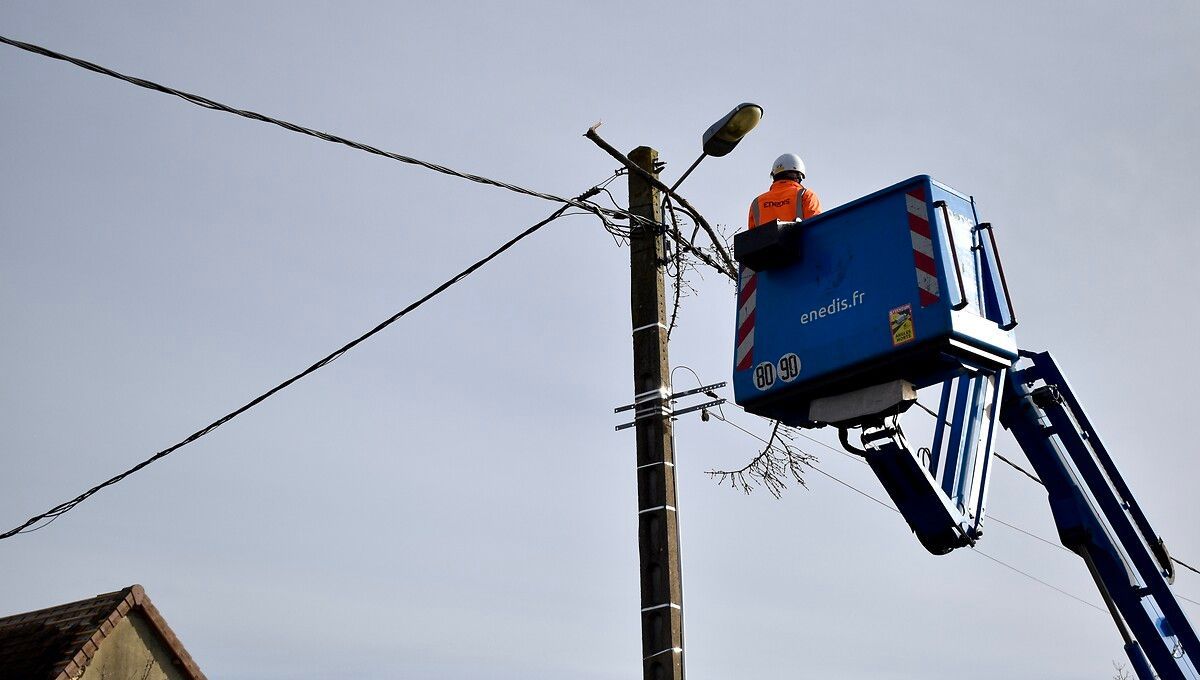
1099 519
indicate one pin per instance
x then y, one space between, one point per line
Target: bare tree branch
683 264
778 461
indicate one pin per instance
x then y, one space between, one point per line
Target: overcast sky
449 500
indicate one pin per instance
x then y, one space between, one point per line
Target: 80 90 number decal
786 369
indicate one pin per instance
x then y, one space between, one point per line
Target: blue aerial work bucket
900 284
842 317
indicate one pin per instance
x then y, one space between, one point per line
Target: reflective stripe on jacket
780 201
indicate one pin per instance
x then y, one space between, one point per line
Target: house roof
59 642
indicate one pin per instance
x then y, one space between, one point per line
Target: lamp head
725 134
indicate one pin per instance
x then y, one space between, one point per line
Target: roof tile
58 642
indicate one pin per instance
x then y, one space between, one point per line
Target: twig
771 468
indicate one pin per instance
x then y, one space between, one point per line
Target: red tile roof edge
135 600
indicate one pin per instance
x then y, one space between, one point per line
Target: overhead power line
999 455
1020 469
891 507
997 519
1026 574
1185 565
328 137
62 508
217 106
722 418
859 459
1035 478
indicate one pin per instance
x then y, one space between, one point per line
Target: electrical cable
1035 478
1031 576
721 416
999 455
1185 599
1185 566
893 509
62 508
991 516
325 136
864 494
1020 469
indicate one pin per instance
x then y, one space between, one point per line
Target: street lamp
723 135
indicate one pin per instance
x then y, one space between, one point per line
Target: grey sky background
449 500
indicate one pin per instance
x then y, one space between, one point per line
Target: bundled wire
198 100
325 136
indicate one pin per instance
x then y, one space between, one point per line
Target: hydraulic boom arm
1099 520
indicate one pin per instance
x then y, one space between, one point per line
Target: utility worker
787 200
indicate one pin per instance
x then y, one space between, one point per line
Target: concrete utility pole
658 527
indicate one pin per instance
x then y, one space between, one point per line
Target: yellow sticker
901 322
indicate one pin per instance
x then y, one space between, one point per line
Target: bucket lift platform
843 316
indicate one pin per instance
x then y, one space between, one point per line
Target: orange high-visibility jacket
780 201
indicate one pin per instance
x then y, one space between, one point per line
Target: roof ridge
84 624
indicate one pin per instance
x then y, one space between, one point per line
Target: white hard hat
786 162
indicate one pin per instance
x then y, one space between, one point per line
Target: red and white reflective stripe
922 245
747 297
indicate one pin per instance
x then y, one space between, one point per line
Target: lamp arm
729 269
